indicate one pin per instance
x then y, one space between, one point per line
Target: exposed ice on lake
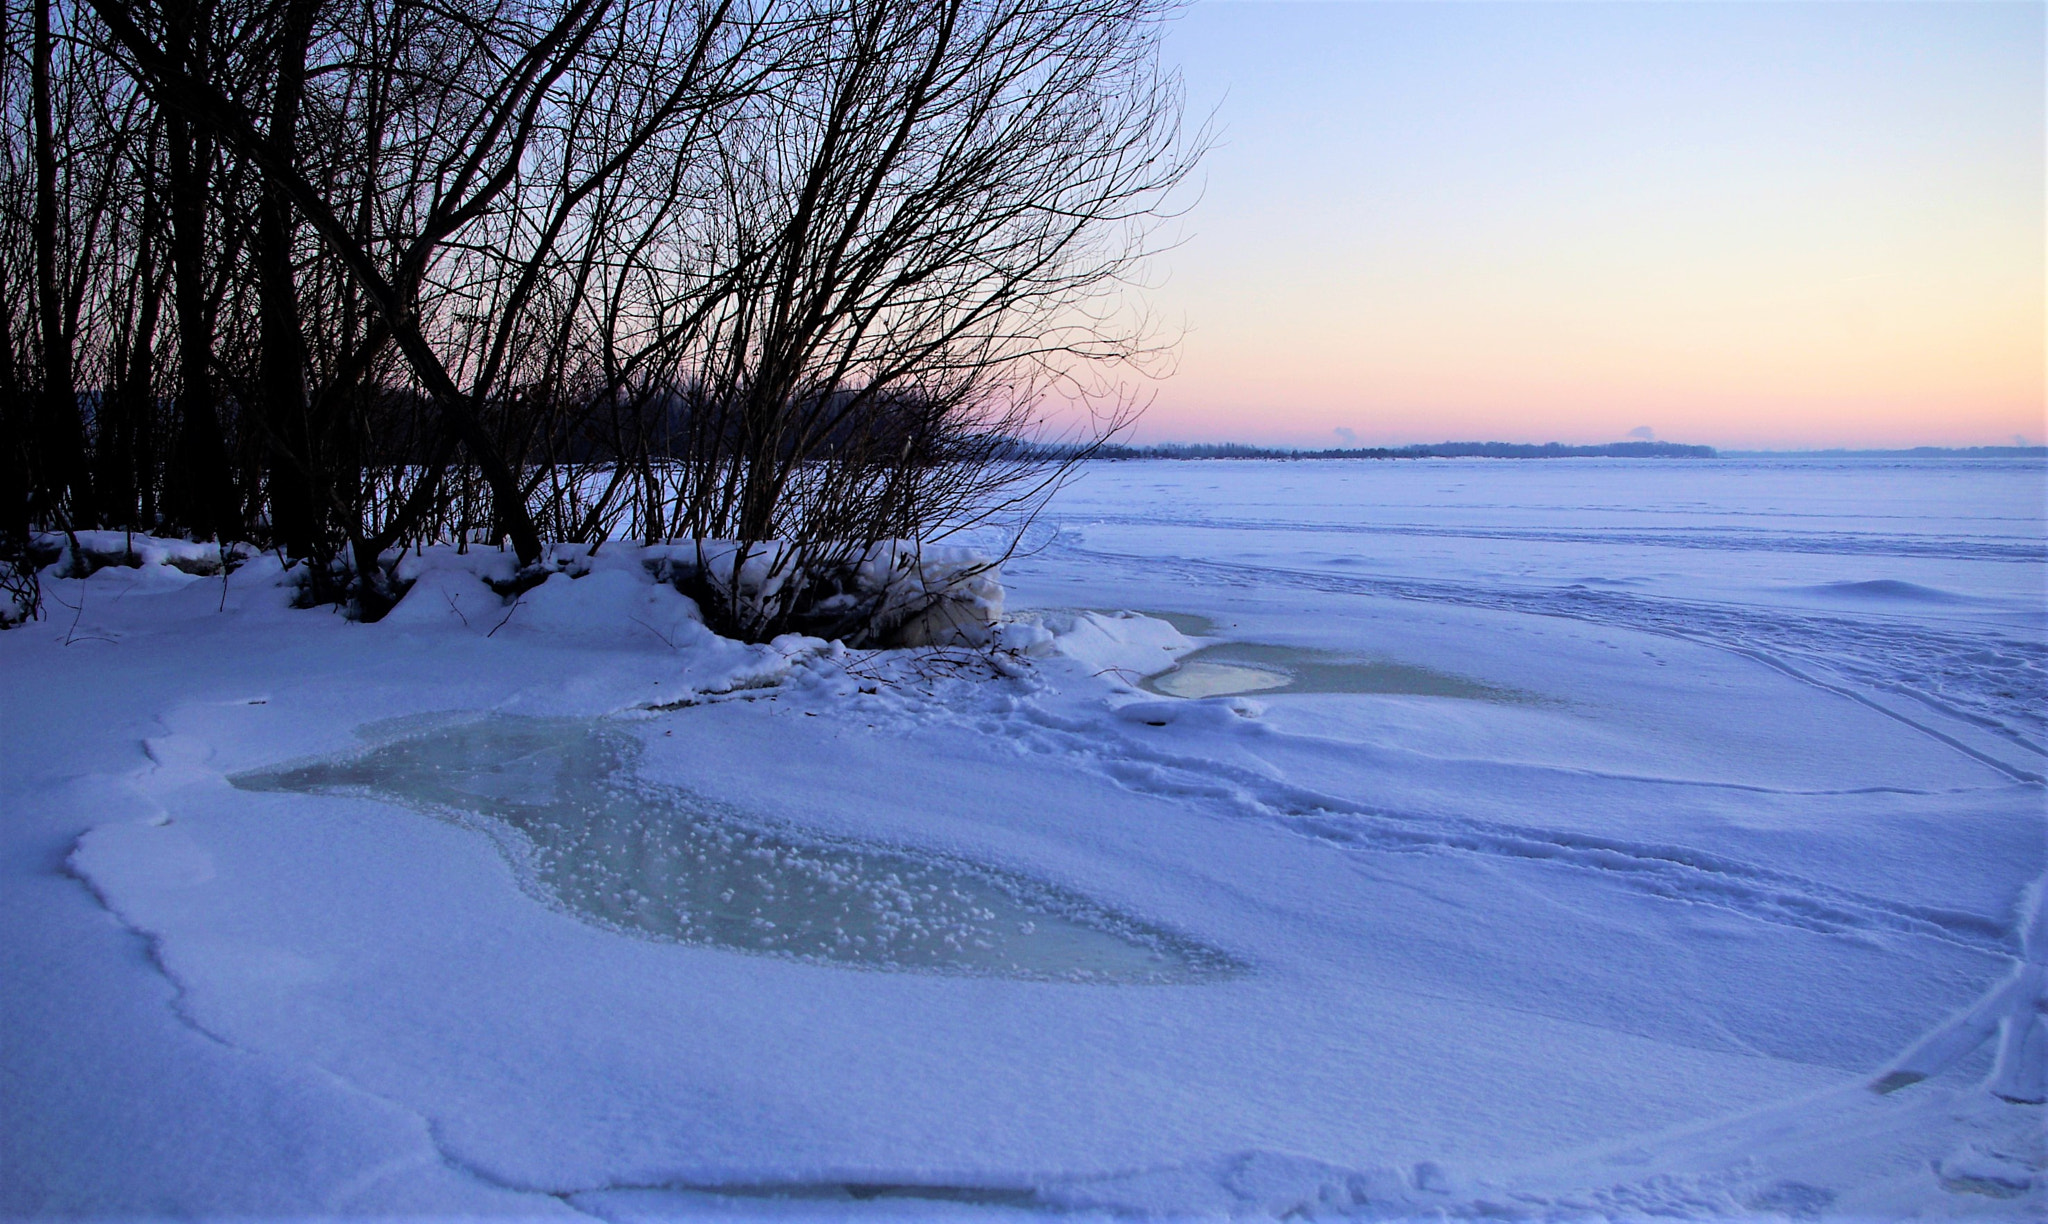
1206 679
1230 668
665 862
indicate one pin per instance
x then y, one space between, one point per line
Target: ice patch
1252 667
1191 624
666 863
1200 678
1992 681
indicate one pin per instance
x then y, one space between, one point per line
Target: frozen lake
1544 840
1927 572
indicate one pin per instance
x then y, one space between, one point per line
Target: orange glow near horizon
1748 226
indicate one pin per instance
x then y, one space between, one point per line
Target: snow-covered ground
1594 836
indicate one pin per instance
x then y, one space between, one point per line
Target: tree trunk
198 489
16 484
297 465
122 451
60 484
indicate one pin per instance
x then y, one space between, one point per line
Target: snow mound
1210 713
612 602
1883 590
609 598
98 549
446 590
1975 1168
1124 646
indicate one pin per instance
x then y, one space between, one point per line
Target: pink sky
1744 225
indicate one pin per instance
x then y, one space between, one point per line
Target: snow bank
1123 646
80 553
896 593
124 548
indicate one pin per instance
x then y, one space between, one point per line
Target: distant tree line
1911 452
341 276
1439 450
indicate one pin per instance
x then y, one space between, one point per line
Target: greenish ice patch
663 862
1230 668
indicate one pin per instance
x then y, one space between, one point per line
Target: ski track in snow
1674 872
1990 680
1993 681
1260 1184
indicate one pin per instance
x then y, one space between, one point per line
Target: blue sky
1737 223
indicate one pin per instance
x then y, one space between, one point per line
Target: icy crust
1848 1153
1668 1180
666 863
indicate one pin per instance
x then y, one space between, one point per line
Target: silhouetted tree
342 277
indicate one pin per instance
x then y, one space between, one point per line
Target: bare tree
931 213
347 275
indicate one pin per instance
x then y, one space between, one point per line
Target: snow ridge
1991 681
1675 872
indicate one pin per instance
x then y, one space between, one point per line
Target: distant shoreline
1435 450
1548 450
1911 452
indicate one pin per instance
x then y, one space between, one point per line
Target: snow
1122 645
1628 839
917 594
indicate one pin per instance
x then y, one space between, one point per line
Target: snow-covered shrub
21 589
930 595
83 552
80 554
891 593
